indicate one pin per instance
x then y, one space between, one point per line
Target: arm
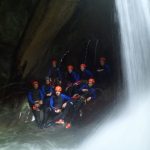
30 99
41 95
65 98
93 94
51 90
76 77
51 103
89 73
43 90
107 69
81 88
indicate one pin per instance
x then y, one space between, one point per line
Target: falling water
131 129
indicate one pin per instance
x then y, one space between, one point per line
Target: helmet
70 67
102 59
58 89
83 65
35 82
91 80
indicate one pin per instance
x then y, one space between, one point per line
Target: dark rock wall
34 31
14 16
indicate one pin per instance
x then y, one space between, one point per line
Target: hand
88 99
57 110
64 105
76 83
49 94
75 95
85 90
100 70
40 102
37 102
37 105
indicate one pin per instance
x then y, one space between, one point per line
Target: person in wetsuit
72 80
47 91
103 73
85 94
35 99
84 73
58 103
55 73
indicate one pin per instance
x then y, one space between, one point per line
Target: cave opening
73 32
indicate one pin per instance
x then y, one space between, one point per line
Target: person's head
47 81
102 61
35 84
70 68
82 67
91 82
54 63
58 90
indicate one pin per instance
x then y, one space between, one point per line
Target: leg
46 111
74 110
37 116
66 111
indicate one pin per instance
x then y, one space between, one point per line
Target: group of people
64 95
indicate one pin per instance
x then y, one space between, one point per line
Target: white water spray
131 130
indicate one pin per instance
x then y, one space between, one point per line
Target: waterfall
131 129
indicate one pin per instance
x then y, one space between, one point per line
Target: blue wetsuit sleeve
41 95
51 102
82 87
43 90
93 94
77 78
90 74
51 90
30 98
107 68
65 97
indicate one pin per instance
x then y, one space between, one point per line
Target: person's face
36 86
58 93
70 70
47 82
54 63
102 62
82 68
